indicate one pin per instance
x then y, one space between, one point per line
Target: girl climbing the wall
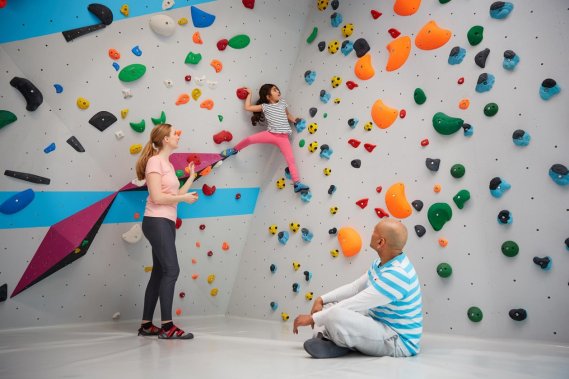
159 227
272 110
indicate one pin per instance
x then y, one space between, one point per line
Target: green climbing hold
240 41
160 120
6 117
444 270
132 72
457 171
301 143
510 249
475 314
446 125
444 1
419 96
461 198
491 109
475 35
84 243
220 117
439 214
138 126
312 35
180 173
325 115
193 58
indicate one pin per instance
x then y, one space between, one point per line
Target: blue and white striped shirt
276 118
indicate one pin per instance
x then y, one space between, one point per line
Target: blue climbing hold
325 151
468 130
336 19
332 189
17 202
273 268
283 237
274 305
306 234
310 76
325 96
498 187
511 60
300 125
116 66
485 82
200 18
49 148
287 173
347 47
136 51
307 275
548 89
500 9
559 174
296 287
456 55
306 196
521 138
353 122
505 217
58 88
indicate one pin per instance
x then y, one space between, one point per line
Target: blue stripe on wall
48 208
22 19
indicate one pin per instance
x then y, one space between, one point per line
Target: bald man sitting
379 314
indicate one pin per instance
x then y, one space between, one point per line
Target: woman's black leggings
161 232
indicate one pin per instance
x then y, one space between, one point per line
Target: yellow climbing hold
82 103
125 10
213 292
383 115
210 278
135 148
196 93
183 21
396 201
124 112
147 268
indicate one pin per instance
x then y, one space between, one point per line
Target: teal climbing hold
200 18
419 96
491 109
461 198
159 120
6 118
132 72
193 58
446 125
438 215
138 126
239 41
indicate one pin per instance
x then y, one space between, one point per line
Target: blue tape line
49 208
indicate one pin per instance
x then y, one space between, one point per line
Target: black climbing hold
509 54
482 78
455 50
27 177
273 268
559 169
345 43
361 47
548 83
102 120
280 235
322 93
466 127
495 182
481 57
567 243
418 205
3 292
295 287
497 5
321 45
504 216
312 111
519 314
324 147
351 122
333 231
332 189
433 164
544 262
420 230
307 275
335 4
518 134
102 12
356 163
74 142
31 93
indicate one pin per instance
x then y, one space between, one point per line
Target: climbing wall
492 283
110 278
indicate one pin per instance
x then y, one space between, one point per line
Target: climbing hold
327 171
419 96
17 202
402 113
333 46
207 190
475 35
167 4
333 210
138 126
312 111
545 263
125 10
197 38
309 76
135 148
210 253
225 246
485 82
305 196
168 83
283 237
347 30
239 41
461 198
491 109
335 81
295 265
559 174
309 295
114 54
443 242
464 104
460 80
196 93
74 143
273 268
437 188
353 122
356 163
331 189
336 19
519 314
378 189
313 146
6 118
294 226
500 9
280 183
133 235
334 253
27 177
210 278
82 103
193 58
468 129
132 72
222 44
200 18
306 234
3 287
354 142
214 291
350 241
136 51
446 125
444 270
425 142
31 93
510 249
498 187
162 25
480 58
321 45
182 21
351 85
207 104
178 223
369 147
300 125
158 120
456 56
420 230
505 217
284 316
368 127
438 214
363 68
362 203
312 35
375 14
406 7
347 47
399 50
361 46
511 60
335 4
242 93
274 305
301 143
383 115
475 314
103 13
217 65
433 164
418 205
548 89
237 196
322 5
183 99
273 229
324 96
431 36
396 201
381 213
457 171
332 231
326 152
59 87
102 120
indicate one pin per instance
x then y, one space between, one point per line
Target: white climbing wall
111 277
482 275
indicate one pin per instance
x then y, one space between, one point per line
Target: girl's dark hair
264 92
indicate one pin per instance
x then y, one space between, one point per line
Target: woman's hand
190 197
317 306
191 170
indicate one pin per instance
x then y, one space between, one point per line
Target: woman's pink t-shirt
169 184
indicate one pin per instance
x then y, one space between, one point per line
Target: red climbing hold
394 32
375 14
402 113
460 80
222 44
223 136
351 85
381 213
188 78
237 196
194 158
178 222
424 142
378 189
210 253
182 295
202 226
354 142
249 3
207 190
369 147
362 203
242 93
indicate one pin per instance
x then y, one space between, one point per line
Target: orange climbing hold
194 261
195 276
437 188
432 36
114 54
396 201
197 38
406 7
399 50
383 115
207 104
443 242
350 241
183 99
225 246
216 65
198 244
364 68
464 104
